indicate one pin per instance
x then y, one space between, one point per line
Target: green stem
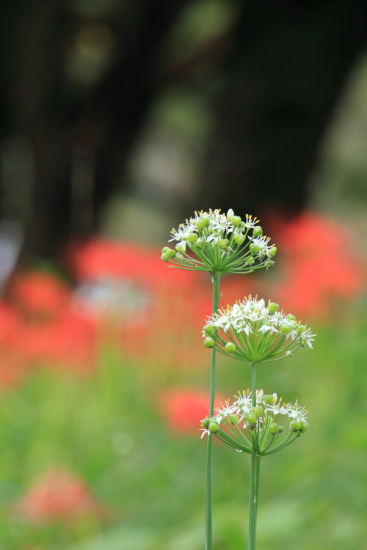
208 497
255 473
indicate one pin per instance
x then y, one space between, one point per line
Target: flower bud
281 429
230 214
295 426
181 247
273 428
236 220
213 427
254 248
273 307
258 231
192 238
304 425
205 423
222 243
251 418
202 223
258 410
230 347
210 330
233 418
239 239
209 342
272 251
270 399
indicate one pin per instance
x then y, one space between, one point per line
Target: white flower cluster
255 332
259 422
216 240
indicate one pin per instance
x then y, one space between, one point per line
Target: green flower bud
192 238
291 317
254 248
230 347
210 330
181 247
202 223
285 329
272 251
205 423
233 418
270 399
222 243
236 220
251 418
213 427
239 239
304 425
165 258
295 426
209 342
258 231
258 410
273 307
273 428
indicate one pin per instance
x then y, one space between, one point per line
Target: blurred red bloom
317 264
58 495
183 409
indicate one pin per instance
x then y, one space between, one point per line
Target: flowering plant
221 243
255 333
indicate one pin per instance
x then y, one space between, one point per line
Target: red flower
58 495
183 409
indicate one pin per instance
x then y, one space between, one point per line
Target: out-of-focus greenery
107 428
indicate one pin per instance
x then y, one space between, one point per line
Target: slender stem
208 498
255 472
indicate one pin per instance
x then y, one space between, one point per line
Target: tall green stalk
255 473
208 498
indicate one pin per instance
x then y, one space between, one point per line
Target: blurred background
119 118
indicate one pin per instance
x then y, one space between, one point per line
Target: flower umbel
253 332
241 425
221 243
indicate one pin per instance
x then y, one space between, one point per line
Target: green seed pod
258 231
202 223
291 317
213 427
304 425
250 261
273 307
285 329
165 258
236 220
210 330
301 328
233 418
273 428
281 429
209 342
239 239
295 426
272 251
205 423
242 225
250 418
222 243
254 249
165 249
258 410
230 347
181 247
171 253
270 399
192 238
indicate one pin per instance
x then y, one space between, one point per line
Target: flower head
220 243
253 332
249 421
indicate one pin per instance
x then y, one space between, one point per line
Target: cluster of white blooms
255 332
215 239
259 421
